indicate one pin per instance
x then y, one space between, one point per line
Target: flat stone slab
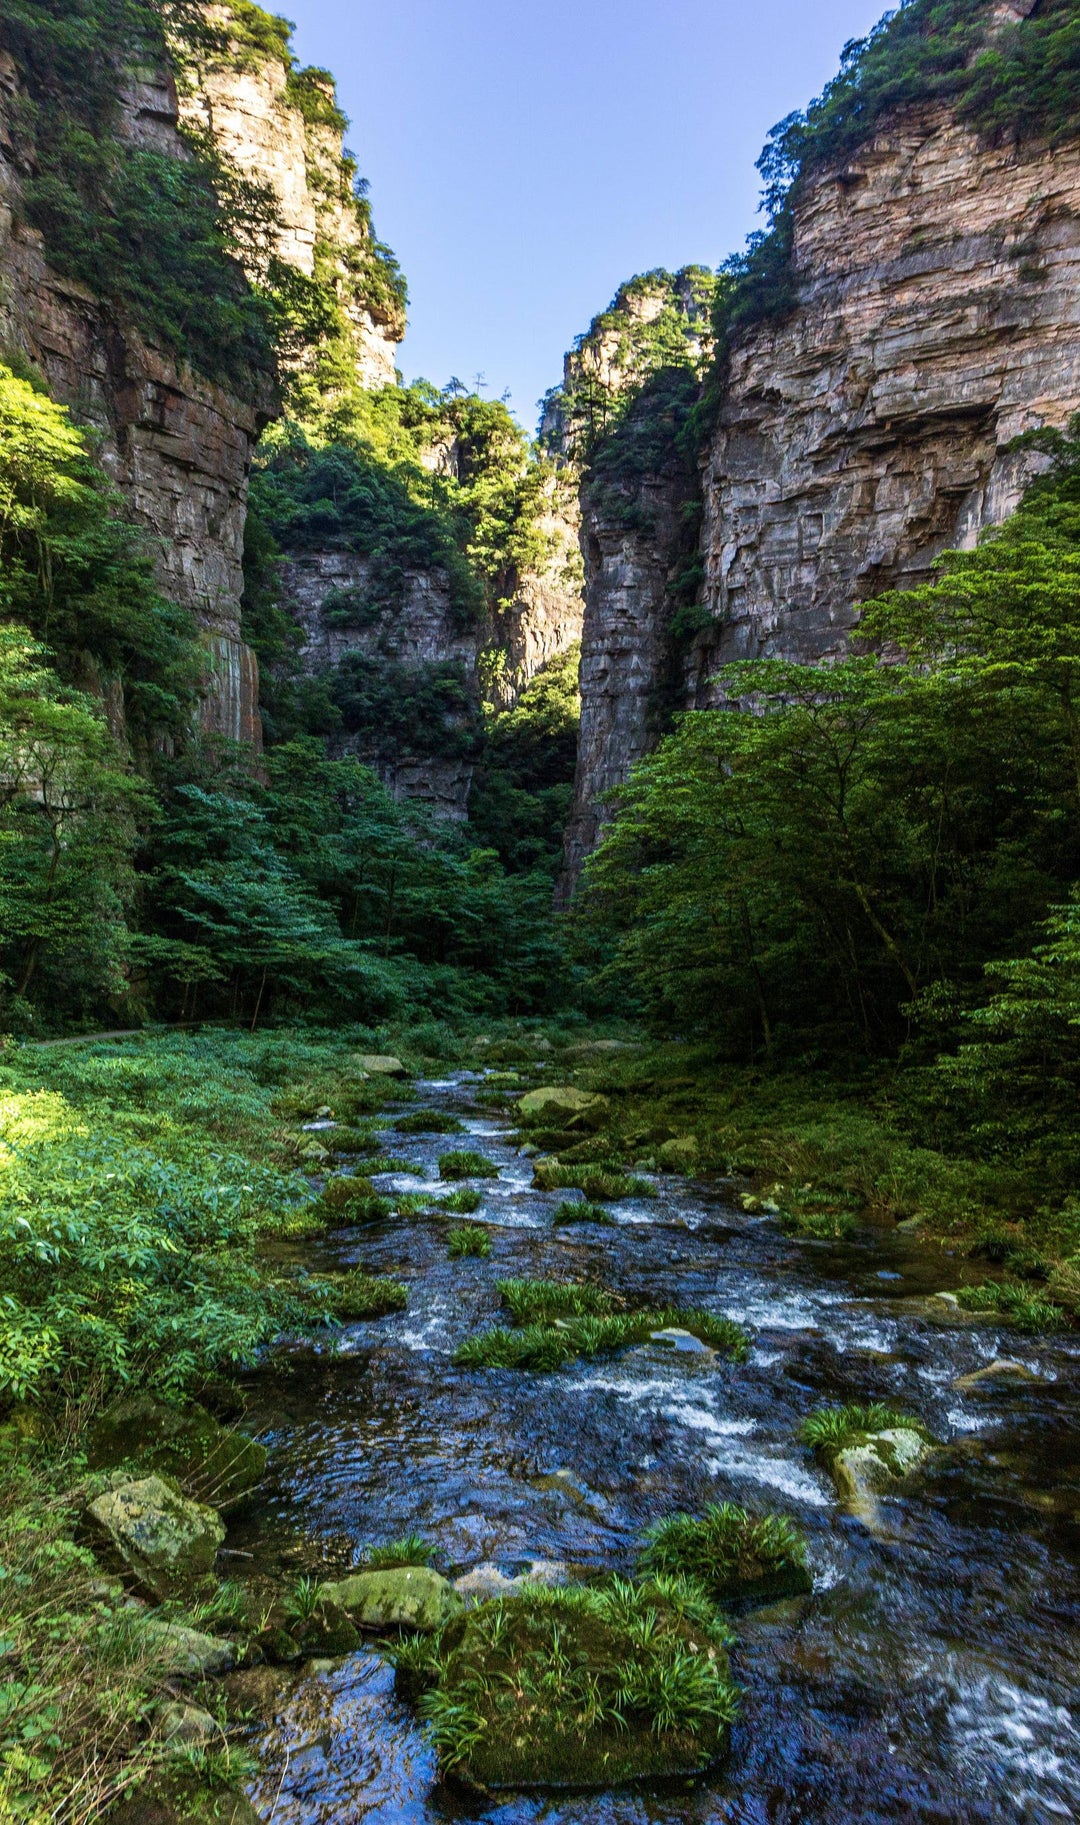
561 1100
408 1597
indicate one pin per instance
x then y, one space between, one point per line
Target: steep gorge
858 432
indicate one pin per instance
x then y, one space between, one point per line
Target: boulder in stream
878 1466
406 1596
212 1462
564 1103
159 1539
586 1687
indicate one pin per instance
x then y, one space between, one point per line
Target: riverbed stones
186 1653
564 1103
211 1461
407 1596
1003 1369
877 1466
159 1539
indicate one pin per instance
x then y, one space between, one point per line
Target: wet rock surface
931 1674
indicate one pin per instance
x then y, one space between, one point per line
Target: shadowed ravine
930 1675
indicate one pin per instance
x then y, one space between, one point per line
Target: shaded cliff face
414 649
178 445
542 616
938 318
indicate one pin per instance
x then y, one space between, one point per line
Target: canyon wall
937 318
177 445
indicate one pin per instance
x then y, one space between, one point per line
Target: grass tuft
582 1212
1029 1311
731 1553
832 1429
411 1549
465 1164
358 1295
471 1241
578 1686
428 1121
555 1323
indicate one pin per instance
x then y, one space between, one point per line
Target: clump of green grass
302 1602
820 1225
576 1686
530 1301
429 1121
732 1554
831 1429
359 1295
462 1202
598 1183
350 1140
582 1212
555 1323
1029 1311
411 1549
465 1164
470 1241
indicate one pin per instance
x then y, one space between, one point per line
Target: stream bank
932 1673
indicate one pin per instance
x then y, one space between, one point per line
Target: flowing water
933 1675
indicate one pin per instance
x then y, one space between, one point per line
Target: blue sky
524 159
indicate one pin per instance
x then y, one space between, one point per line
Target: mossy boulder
210 1461
186 1653
406 1596
157 1538
380 1064
680 1155
328 1631
877 1466
564 1105
580 1688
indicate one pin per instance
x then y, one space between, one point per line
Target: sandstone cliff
937 316
178 445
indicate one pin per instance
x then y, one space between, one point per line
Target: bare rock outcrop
938 318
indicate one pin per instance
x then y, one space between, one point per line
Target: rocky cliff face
938 317
176 444
542 617
282 129
418 635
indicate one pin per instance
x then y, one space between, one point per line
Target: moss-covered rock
565 1105
407 1597
328 1630
579 1688
156 1537
186 1653
211 1462
878 1466
680 1155
380 1064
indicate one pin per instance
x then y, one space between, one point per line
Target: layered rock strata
938 318
177 445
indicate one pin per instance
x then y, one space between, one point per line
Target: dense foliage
828 865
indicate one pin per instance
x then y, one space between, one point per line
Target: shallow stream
933 1675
